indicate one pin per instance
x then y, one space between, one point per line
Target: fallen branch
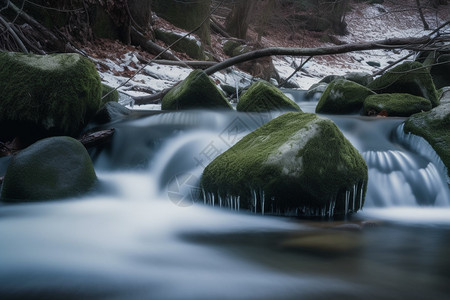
403 43
149 46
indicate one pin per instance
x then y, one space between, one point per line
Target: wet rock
434 127
410 77
111 111
316 90
343 96
400 105
51 168
262 97
297 164
197 91
46 94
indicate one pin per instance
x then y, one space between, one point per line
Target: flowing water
143 236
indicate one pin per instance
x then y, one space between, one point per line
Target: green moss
186 14
188 45
434 127
401 105
59 92
195 92
262 97
229 47
343 96
299 160
409 77
51 168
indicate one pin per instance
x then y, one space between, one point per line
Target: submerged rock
400 105
262 97
47 94
195 92
51 168
297 164
410 77
343 96
434 127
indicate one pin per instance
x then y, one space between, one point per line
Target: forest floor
118 62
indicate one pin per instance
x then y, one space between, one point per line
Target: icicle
261 194
255 200
347 198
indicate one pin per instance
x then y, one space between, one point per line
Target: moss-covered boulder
343 96
53 94
262 97
195 92
400 105
297 164
434 127
189 45
51 168
409 77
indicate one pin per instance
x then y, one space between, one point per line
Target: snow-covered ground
365 23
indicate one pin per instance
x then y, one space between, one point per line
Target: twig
293 73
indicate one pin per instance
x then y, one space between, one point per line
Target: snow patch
287 154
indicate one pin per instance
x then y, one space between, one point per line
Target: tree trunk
237 21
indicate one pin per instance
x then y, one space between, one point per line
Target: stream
147 232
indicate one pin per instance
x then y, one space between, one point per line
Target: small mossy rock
111 111
409 77
300 163
361 78
229 46
52 168
197 91
189 45
58 93
343 96
400 105
109 94
434 127
263 97
316 90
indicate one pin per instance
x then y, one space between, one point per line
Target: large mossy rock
434 127
56 94
400 105
51 168
263 97
197 91
410 77
298 164
343 96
